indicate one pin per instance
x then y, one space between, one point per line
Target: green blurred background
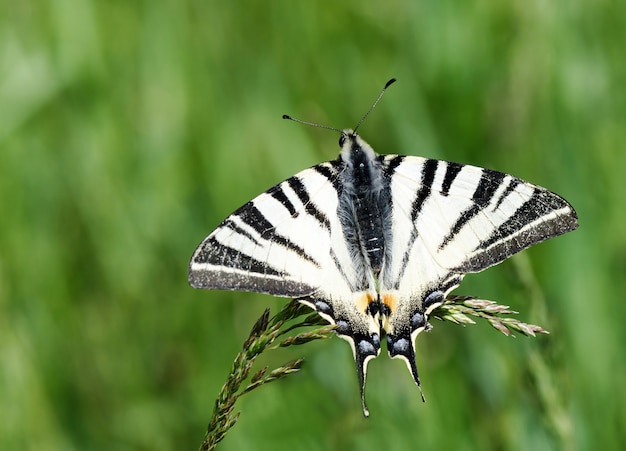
129 129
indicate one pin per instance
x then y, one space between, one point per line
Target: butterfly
374 243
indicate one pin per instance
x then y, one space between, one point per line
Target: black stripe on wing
254 218
230 224
218 266
330 170
487 186
300 190
452 170
513 183
214 253
428 177
544 215
229 269
278 193
390 163
355 285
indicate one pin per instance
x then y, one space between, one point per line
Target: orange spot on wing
390 300
365 300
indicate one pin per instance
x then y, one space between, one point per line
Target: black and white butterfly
374 243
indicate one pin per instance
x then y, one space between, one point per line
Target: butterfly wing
451 219
289 242
277 243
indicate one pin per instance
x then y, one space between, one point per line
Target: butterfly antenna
286 116
389 83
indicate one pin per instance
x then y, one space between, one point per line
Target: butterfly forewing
270 245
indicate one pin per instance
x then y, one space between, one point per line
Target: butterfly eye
342 140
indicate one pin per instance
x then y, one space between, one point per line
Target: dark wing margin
542 216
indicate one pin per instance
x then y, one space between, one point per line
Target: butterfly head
354 150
